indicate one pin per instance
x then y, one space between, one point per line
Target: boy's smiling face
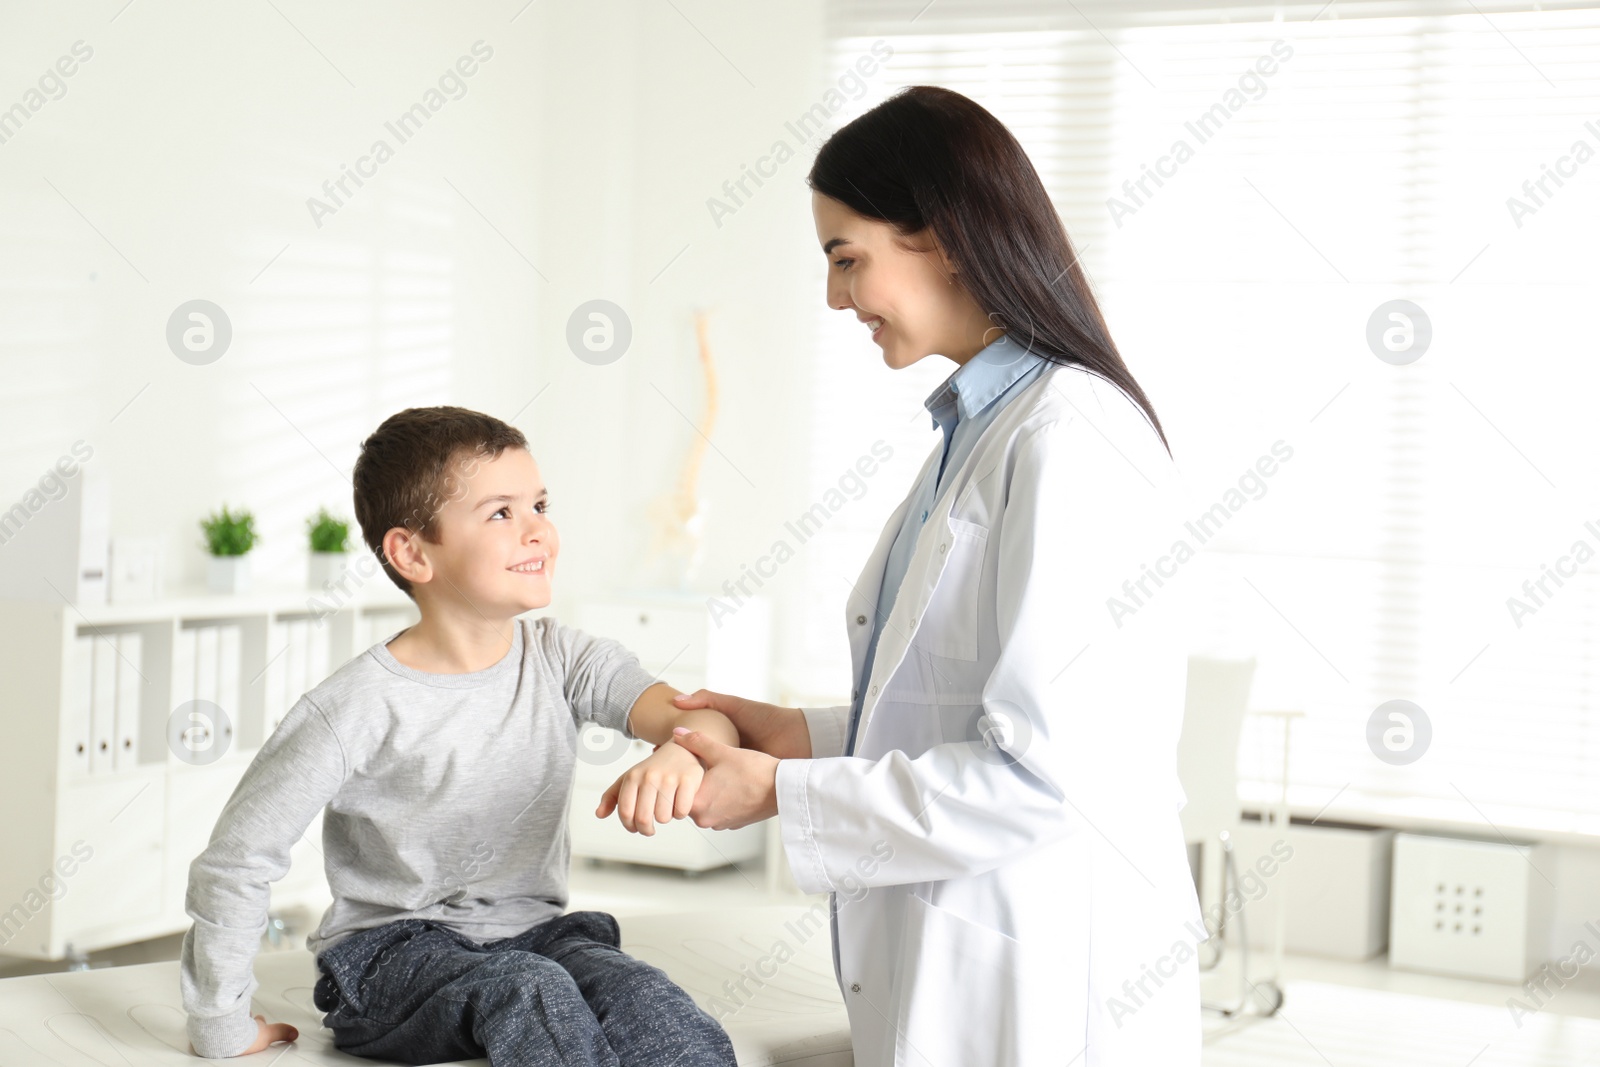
494 545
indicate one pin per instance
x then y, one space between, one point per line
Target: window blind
1395 152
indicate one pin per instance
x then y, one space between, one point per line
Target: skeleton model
677 518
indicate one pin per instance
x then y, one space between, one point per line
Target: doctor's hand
779 732
657 789
740 786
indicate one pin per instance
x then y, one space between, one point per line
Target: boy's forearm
709 722
654 715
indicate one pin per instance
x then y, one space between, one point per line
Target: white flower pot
228 574
325 568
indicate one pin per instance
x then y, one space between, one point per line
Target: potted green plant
229 538
330 549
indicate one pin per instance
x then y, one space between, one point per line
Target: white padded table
133 1016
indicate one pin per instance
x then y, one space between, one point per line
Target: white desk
134 1015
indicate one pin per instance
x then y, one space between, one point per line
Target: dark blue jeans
562 992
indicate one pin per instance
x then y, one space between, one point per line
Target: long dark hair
930 157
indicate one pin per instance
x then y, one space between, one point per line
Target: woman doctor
995 814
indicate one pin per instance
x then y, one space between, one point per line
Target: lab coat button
874 690
861 620
942 548
855 987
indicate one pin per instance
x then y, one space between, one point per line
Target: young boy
443 762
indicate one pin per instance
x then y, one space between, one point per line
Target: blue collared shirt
963 407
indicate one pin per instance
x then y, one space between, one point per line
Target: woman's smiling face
900 288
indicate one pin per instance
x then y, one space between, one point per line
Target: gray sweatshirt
446 798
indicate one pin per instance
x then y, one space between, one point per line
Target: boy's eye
504 511
841 263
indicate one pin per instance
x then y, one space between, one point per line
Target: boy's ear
405 553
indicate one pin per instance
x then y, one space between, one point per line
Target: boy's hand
658 789
267 1033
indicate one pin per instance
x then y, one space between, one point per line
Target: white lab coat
990 903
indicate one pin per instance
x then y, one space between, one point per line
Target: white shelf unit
103 816
676 639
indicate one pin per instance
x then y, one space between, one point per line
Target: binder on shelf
293 669
230 697
205 663
271 680
80 702
130 649
103 712
183 669
306 644
63 551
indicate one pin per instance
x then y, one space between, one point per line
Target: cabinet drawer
657 635
118 863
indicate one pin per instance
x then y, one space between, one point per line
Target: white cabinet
1476 909
127 728
1332 878
676 639
112 831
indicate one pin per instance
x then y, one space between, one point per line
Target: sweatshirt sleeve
292 777
601 679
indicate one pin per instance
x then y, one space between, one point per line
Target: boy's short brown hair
414 463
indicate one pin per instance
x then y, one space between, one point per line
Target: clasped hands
696 776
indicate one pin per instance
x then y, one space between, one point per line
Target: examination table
785 1009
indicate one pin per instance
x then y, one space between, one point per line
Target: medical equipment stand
1272 999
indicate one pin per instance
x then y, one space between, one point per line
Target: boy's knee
597 926
633 981
514 975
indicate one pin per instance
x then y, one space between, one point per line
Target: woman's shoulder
1069 395
1077 431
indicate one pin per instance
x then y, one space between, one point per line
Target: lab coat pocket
961 995
950 623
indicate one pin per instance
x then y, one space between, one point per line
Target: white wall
178 163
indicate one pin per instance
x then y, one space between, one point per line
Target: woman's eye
502 511
842 263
